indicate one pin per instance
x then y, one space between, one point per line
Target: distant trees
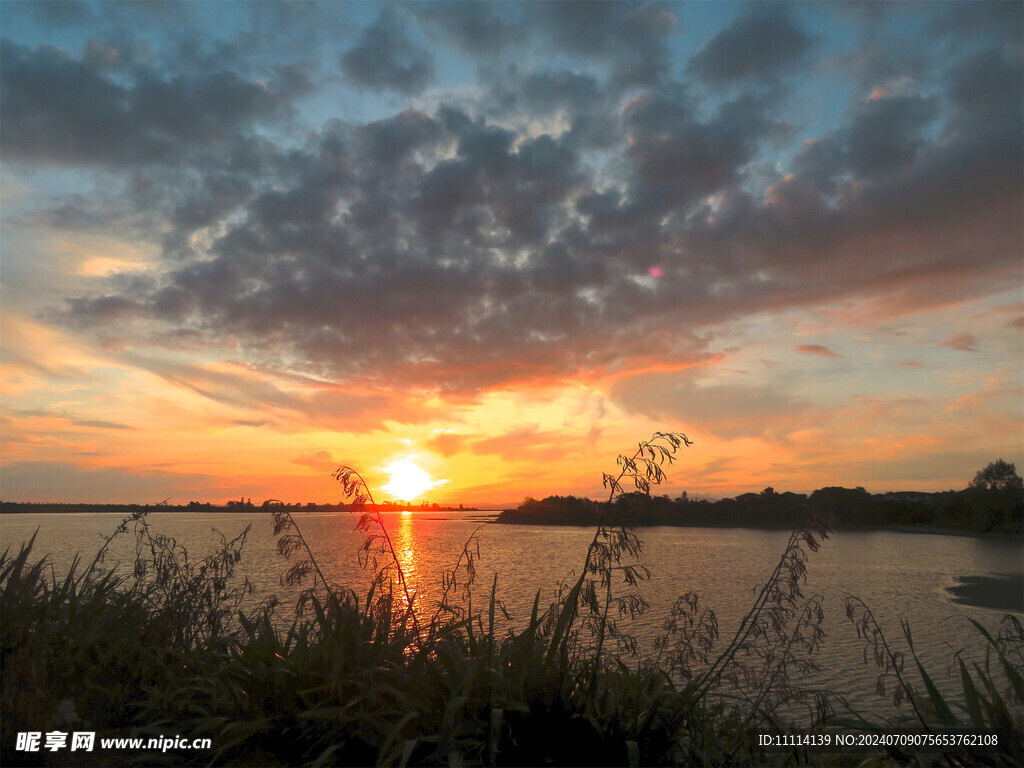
996 495
993 502
557 510
844 506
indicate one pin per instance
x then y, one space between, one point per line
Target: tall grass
992 703
105 651
379 678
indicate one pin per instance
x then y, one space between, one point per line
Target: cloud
884 136
319 461
816 349
961 342
447 444
71 419
54 481
99 424
627 41
679 159
69 13
629 37
725 410
530 444
568 100
478 29
299 402
445 250
715 472
986 89
342 217
759 45
58 109
386 57
980 20
503 233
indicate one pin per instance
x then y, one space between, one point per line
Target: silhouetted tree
997 476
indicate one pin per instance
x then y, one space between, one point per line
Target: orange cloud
961 342
816 349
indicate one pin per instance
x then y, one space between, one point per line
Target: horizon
483 506
493 246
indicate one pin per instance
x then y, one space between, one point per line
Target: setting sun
408 480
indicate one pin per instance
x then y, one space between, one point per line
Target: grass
378 679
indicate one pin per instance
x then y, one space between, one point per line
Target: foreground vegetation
171 649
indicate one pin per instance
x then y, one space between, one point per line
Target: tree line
993 502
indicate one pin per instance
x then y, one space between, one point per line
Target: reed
992 693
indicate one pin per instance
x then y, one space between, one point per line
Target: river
899 575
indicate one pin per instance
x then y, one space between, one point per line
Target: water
899 575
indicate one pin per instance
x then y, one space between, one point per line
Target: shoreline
1004 592
936 530
128 508
21 508
924 529
112 509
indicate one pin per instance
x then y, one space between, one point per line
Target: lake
896 574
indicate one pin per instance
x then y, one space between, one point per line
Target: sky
245 243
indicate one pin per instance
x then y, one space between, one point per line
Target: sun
408 481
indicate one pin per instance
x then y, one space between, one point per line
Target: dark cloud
760 45
472 269
886 134
629 40
679 159
630 37
58 109
883 136
101 56
981 20
386 57
987 90
580 100
61 13
507 234
478 29
891 64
